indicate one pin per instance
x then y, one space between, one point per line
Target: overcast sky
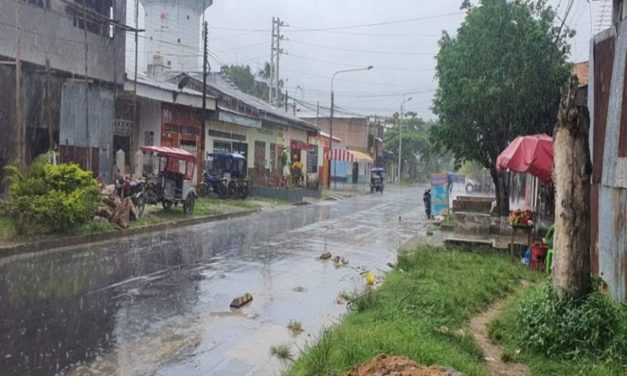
402 52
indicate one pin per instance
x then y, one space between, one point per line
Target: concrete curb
48 244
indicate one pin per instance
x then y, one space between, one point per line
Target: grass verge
504 331
421 311
153 215
7 231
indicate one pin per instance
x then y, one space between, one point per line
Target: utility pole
87 88
317 112
271 78
135 125
18 90
400 137
204 74
332 161
286 104
275 54
279 51
46 106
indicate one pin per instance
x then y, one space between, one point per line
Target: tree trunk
502 193
571 175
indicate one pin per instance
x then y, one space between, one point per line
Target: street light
400 137
331 118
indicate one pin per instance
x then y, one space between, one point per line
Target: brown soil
493 353
397 366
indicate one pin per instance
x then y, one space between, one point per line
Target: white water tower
173 34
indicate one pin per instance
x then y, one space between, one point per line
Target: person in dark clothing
426 198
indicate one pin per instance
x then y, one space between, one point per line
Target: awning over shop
227 116
351 156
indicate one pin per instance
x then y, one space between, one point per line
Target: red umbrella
529 154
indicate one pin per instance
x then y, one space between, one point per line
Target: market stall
531 155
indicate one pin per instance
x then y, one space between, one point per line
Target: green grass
421 310
503 331
7 231
203 207
282 352
92 228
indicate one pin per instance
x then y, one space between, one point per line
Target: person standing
426 198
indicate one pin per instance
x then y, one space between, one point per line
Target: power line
383 35
362 51
384 23
387 84
337 63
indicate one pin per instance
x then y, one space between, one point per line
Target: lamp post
400 138
331 118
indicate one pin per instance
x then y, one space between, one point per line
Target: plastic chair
549 260
548 239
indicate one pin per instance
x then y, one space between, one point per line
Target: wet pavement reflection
159 304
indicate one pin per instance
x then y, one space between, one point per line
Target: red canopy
529 154
169 152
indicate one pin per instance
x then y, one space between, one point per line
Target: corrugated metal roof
164 92
219 83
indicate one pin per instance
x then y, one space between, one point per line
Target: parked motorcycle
225 176
213 185
135 189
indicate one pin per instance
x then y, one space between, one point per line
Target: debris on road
326 256
396 365
298 289
342 298
241 301
391 265
295 327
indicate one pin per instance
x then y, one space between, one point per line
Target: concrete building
166 115
247 125
173 34
62 64
607 102
361 136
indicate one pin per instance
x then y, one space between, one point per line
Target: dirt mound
384 365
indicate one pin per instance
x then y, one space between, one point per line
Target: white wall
149 121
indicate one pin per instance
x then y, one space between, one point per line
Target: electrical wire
360 51
376 24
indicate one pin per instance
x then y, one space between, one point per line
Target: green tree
250 83
245 80
498 78
418 147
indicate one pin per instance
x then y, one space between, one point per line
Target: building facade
166 116
62 65
249 126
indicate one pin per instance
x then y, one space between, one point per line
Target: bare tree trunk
571 175
502 194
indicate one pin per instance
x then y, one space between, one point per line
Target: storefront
181 127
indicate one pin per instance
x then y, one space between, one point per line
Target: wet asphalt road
159 304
